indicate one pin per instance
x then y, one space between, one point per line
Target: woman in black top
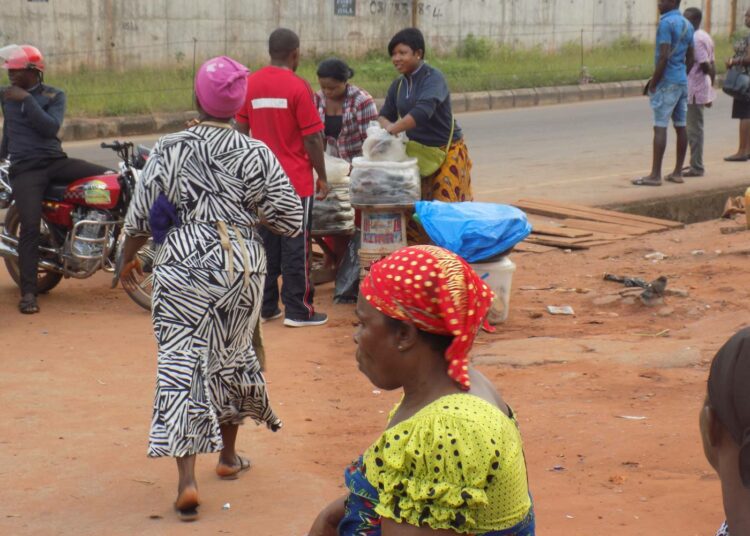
419 103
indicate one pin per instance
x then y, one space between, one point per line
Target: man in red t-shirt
280 112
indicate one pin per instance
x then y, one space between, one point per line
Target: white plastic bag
337 171
385 183
382 147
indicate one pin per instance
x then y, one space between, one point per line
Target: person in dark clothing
33 114
418 103
725 429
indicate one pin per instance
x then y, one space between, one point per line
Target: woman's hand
384 123
327 522
124 269
322 527
128 260
135 264
729 63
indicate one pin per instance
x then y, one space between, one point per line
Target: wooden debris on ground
576 227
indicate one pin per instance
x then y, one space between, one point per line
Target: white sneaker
317 319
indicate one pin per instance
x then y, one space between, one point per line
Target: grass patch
476 65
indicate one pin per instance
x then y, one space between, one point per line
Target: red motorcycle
81 226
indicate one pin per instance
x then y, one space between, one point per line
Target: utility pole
414 16
733 17
707 16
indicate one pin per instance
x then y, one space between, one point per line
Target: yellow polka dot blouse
457 464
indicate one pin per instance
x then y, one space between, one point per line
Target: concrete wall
134 33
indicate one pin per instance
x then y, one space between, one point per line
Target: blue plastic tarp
475 231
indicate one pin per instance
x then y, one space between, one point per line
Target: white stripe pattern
207 372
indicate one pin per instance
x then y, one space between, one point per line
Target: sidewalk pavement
112 127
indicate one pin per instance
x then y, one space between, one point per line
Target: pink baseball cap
220 85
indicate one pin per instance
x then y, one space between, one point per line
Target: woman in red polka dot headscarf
451 458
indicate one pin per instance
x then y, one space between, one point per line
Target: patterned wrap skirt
208 374
451 184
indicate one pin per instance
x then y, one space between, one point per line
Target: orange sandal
187 504
232 472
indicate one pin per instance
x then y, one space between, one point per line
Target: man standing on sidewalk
700 90
667 89
280 111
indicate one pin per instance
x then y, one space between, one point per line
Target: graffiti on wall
402 8
345 8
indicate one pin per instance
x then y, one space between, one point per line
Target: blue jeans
669 101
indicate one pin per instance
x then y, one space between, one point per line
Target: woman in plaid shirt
345 109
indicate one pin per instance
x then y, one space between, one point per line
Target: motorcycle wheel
46 280
142 285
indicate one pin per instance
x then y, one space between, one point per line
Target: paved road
583 152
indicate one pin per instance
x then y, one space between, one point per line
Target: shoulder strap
453 129
682 36
398 96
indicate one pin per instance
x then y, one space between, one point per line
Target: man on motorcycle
33 114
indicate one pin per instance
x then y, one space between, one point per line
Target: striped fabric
204 306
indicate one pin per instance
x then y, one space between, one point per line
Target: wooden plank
605 236
594 243
562 241
565 243
526 247
559 212
602 227
604 212
559 231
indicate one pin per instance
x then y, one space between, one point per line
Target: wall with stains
137 33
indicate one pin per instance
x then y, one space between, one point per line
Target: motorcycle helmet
22 57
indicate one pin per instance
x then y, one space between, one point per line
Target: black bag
737 84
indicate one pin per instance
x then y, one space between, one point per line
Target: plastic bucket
499 277
384 230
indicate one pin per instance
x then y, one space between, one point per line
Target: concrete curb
688 208
114 127
134 125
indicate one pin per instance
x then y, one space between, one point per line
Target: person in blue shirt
668 89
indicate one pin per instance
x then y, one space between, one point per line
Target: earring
400 348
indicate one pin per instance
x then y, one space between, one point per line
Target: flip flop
643 181
232 472
675 179
28 305
187 504
692 173
734 158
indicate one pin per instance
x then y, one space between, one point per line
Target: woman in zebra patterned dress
208 277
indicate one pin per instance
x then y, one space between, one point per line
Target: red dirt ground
76 389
